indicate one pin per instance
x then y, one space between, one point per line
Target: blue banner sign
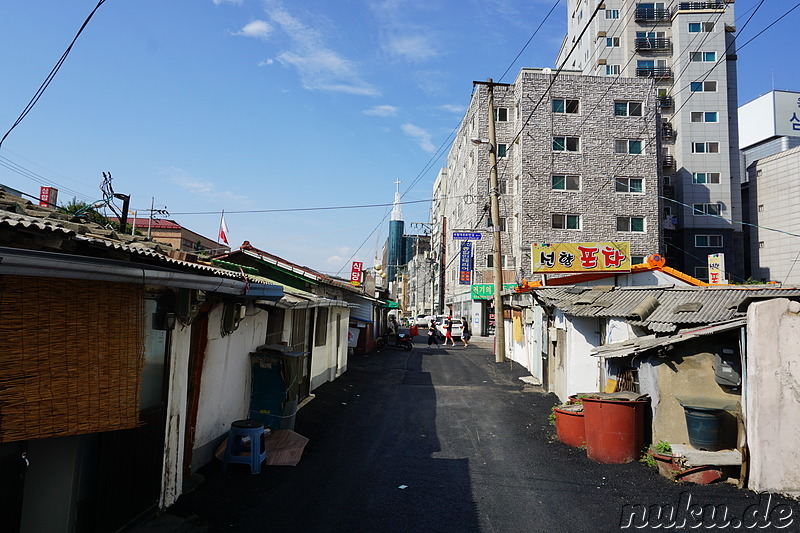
465 264
466 236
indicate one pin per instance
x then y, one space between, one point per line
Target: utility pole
494 193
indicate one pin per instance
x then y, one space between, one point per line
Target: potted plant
660 455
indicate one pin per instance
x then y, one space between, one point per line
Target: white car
423 320
458 327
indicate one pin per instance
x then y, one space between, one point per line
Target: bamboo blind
71 355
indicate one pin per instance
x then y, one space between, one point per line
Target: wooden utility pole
494 193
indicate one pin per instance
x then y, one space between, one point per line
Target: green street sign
484 291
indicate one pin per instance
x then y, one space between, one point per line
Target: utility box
276 374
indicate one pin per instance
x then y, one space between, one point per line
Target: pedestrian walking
433 334
466 333
448 331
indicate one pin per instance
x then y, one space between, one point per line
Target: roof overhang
648 343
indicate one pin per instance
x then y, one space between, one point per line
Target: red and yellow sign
581 257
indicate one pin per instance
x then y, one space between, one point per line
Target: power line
529 40
51 75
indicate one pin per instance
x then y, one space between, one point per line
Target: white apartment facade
687 49
573 166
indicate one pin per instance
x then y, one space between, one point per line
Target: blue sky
247 105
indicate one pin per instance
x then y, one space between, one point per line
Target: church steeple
397 212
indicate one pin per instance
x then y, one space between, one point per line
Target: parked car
458 327
423 320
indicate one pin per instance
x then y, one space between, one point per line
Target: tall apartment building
573 166
769 129
687 49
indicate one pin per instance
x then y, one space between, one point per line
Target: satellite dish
547 70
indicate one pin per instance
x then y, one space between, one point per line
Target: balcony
667 132
665 102
644 14
653 45
696 6
668 161
654 72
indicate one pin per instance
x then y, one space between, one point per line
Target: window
502 149
702 57
562 105
612 41
705 177
705 116
706 209
612 70
637 260
630 224
505 186
708 241
560 182
612 14
566 144
628 109
697 27
508 261
705 148
704 86
321 329
701 273
627 146
566 222
634 185
501 114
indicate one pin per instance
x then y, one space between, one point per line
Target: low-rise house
120 366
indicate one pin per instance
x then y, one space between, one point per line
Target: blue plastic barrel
705 427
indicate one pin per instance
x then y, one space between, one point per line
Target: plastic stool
238 452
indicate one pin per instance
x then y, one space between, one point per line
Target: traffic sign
466 236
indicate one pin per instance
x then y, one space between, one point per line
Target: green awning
389 304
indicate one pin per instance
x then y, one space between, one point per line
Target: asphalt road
441 440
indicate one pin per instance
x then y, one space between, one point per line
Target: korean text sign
355 273
581 257
465 264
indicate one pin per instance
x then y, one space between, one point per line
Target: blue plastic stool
239 452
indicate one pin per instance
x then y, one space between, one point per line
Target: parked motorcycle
401 340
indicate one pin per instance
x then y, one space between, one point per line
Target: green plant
663 447
648 459
552 417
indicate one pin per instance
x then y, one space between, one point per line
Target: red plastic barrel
570 428
413 330
614 430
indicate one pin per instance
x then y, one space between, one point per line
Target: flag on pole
223 229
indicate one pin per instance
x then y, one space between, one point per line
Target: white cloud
258 29
218 2
266 62
414 48
198 187
381 111
452 108
319 67
422 137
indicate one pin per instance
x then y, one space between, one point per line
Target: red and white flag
223 230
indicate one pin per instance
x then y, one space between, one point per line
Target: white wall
329 361
772 396
225 386
582 369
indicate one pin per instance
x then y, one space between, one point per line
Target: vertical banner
465 264
355 273
716 269
48 196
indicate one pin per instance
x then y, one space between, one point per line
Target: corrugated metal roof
669 308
